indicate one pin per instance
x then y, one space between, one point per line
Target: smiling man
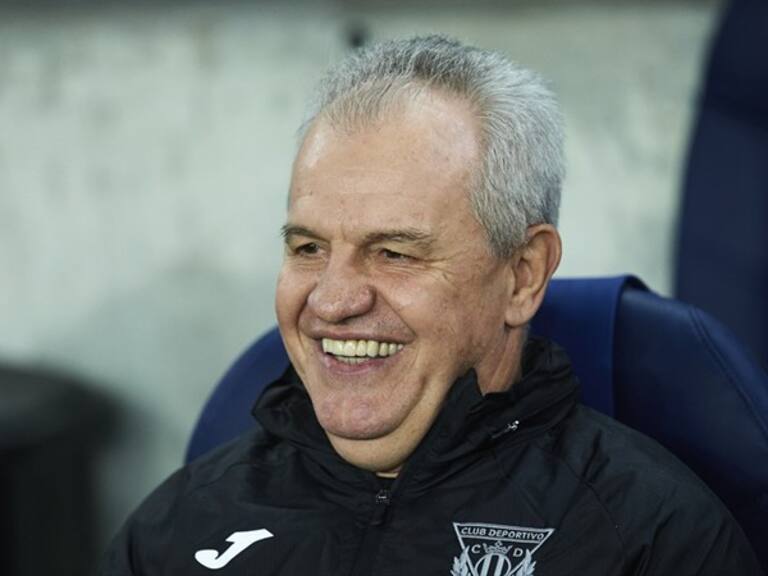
389 291
419 430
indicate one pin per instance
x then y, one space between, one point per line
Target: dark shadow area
51 428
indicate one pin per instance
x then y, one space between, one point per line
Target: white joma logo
212 560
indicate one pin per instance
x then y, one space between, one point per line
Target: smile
357 351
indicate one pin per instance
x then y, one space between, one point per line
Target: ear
530 270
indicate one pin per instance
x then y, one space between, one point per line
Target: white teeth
348 360
356 351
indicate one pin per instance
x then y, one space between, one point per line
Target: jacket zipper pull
510 427
382 500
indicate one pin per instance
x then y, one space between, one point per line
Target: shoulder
629 472
224 465
600 449
140 546
662 512
248 449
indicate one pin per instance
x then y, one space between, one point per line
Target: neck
503 365
390 474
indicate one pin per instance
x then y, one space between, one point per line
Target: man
419 430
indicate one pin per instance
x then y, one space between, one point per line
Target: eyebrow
415 236
289 230
401 236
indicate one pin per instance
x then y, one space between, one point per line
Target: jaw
386 454
361 399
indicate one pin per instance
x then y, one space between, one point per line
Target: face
388 292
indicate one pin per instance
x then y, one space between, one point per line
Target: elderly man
420 430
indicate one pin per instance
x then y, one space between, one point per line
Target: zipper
382 501
368 551
510 427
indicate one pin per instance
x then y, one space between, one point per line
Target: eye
308 249
392 255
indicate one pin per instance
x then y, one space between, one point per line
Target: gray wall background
145 155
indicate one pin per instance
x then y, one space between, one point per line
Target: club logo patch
497 550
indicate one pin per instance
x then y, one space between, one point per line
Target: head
420 237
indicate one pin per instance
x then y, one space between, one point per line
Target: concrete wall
144 158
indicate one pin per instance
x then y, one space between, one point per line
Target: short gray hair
521 124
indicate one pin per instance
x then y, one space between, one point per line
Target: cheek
437 315
290 296
462 320
289 302
282 298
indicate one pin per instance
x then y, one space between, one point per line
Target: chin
366 430
360 422
359 412
375 454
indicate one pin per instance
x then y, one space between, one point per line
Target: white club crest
497 550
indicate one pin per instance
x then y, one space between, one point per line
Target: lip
342 368
356 336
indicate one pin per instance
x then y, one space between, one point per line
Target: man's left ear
530 270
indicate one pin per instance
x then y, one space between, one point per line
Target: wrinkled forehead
413 169
425 129
393 175
429 135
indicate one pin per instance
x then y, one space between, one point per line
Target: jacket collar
545 393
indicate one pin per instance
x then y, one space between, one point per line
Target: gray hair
521 125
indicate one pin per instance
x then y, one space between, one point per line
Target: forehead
413 168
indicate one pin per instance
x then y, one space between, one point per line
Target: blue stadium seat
663 367
722 253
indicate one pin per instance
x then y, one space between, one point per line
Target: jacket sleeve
141 545
699 539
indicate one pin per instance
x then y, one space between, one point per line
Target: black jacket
521 483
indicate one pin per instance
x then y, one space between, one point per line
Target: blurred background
145 150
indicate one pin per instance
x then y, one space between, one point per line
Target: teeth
356 351
348 360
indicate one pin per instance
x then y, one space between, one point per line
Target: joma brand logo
213 560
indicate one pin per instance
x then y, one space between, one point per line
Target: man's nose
343 291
